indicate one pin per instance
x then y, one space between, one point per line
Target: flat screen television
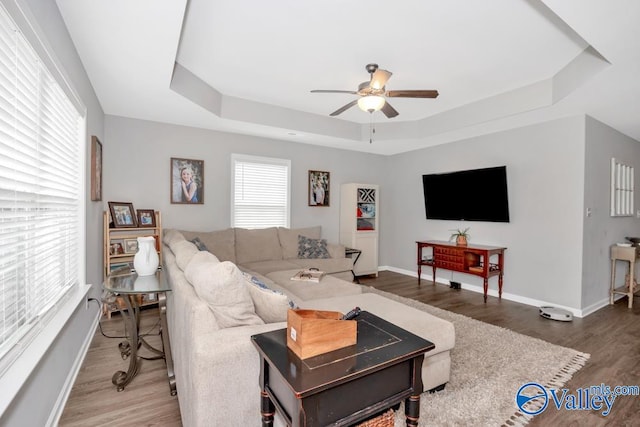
468 195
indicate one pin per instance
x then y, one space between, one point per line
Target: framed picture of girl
318 188
187 181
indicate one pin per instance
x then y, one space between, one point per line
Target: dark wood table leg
419 273
412 410
267 409
486 288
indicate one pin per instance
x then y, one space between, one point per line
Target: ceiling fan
373 93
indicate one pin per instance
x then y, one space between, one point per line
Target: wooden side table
342 387
628 254
130 287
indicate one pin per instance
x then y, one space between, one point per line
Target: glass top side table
130 286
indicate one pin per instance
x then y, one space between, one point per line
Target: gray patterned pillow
201 246
312 248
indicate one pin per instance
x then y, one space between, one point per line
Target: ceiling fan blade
334 91
379 79
344 108
389 111
412 93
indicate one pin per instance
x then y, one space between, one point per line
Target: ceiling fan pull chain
372 130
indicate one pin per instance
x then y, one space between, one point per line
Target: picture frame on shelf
319 188
187 181
123 215
130 246
116 248
146 218
96 169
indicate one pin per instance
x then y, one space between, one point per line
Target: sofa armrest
336 250
224 368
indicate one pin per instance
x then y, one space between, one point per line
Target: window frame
21 360
246 158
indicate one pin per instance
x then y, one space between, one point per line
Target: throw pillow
223 287
289 239
201 246
270 305
312 248
184 251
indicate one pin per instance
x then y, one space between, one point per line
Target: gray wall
545 164
137 157
601 230
37 399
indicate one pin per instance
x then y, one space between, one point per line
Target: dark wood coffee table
344 386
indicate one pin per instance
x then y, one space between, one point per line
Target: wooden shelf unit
118 235
478 260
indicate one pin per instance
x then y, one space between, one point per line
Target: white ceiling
248 66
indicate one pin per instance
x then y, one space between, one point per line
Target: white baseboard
505 295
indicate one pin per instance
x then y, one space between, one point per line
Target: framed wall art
318 188
187 181
123 215
96 169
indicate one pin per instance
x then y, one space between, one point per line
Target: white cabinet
359 224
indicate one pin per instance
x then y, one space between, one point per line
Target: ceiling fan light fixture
371 103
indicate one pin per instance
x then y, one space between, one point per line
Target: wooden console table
470 259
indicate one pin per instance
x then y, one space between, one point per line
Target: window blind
260 188
40 182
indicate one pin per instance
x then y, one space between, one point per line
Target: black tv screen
469 195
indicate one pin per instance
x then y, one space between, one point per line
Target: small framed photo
187 181
146 218
318 188
116 248
123 215
96 169
130 246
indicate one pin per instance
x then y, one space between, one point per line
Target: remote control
352 314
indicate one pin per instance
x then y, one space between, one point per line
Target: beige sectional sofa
272 249
214 308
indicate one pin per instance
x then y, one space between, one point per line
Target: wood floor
611 336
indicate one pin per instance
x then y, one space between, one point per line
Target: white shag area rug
488 366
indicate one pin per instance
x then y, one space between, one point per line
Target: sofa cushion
257 245
170 236
312 248
264 267
203 257
328 265
184 251
221 243
303 291
289 239
223 287
270 305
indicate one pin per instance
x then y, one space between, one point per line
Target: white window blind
260 192
40 183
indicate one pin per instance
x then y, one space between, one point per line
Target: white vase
146 260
